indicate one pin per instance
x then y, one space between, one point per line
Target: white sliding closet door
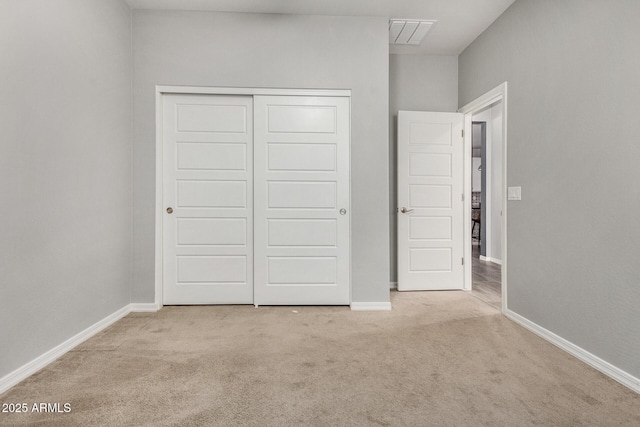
301 205
208 198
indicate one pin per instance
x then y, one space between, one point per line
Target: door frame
161 90
499 93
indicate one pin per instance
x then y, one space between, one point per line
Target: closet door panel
301 200
207 160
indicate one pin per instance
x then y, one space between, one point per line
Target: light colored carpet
437 359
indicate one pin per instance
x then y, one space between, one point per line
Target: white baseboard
393 285
143 307
493 260
370 306
592 360
43 360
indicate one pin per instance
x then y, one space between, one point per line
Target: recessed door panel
435 133
302 271
301 157
301 195
430 259
430 228
302 232
430 165
211 118
211 194
211 156
212 269
301 119
429 196
212 231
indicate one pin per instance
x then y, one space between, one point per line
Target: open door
430 201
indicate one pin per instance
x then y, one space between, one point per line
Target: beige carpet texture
436 359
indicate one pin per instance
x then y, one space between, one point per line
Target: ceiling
459 21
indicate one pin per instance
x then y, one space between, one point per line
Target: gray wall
573 241
254 50
416 83
65 171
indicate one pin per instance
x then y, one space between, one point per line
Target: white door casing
207 183
497 94
301 205
430 191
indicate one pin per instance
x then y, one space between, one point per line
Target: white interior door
207 195
430 205
301 203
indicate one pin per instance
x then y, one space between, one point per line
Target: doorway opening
485 210
485 201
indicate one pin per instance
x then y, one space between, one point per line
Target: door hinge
462 261
462 197
462 133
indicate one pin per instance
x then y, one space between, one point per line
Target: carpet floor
436 359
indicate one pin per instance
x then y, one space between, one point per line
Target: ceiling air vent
408 31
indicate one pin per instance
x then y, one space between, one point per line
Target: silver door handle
405 210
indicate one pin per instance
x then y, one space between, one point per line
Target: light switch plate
514 193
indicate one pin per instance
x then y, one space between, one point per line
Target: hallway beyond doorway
486 280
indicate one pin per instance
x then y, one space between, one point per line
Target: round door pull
169 210
343 211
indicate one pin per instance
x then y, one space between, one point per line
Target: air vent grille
408 31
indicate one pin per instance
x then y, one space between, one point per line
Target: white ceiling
459 21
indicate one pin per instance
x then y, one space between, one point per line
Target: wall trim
46 358
489 259
143 307
206 90
56 352
393 285
370 306
590 359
